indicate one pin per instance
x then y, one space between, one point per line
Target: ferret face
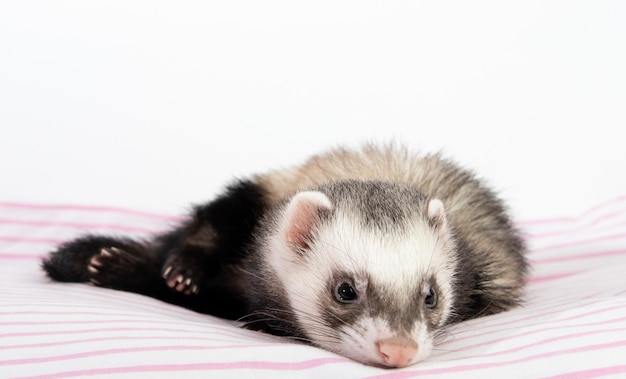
372 292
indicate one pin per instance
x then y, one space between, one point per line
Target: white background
157 104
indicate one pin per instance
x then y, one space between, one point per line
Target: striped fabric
573 324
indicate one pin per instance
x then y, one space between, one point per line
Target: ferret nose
396 353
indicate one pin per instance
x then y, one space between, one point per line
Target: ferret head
368 269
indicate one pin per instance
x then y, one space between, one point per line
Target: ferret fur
368 253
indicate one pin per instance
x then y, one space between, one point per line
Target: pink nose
397 353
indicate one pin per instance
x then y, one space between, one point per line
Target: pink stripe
579 243
155 308
539 331
92 322
21 256
554 305
209 329
57 313
577 316
84 291
151 305
130 229
605 204
581 228
546 341
90 208
131 338
549 278
481 366
52 241
574 257
91 330
139 319
592 373
523 335
510 325
543 221
136 316
255 365
117 298
99 353
586 213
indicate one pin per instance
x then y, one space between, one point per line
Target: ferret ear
303 213
437 213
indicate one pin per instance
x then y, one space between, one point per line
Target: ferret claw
167 271
179 278
95 262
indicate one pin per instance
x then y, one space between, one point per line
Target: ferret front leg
187 268
128 267
212 240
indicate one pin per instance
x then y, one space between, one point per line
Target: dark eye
431 298
345 293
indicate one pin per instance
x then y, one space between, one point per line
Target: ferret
368 253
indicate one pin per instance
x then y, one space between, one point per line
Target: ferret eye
345 293
431 298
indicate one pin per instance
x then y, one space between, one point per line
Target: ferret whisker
333 315
438 349
483 310
252 274
442 336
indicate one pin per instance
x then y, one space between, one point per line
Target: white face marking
356 341
399 261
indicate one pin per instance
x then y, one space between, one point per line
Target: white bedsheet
573 324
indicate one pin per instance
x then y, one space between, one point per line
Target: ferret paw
114 268
179 276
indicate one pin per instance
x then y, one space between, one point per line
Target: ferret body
367 253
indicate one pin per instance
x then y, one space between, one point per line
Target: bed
573 324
